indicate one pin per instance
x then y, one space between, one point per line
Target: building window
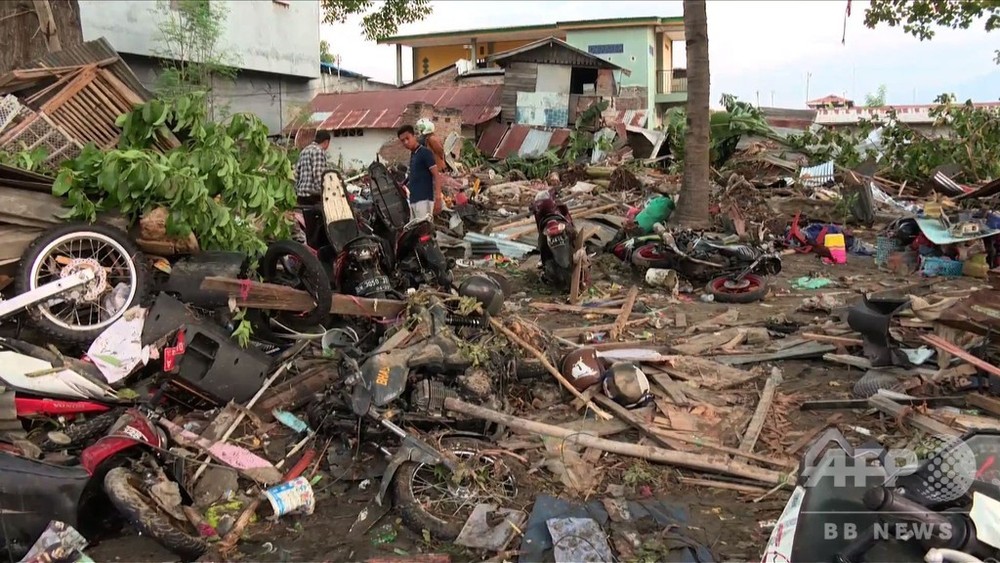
426 63
349 133
606 49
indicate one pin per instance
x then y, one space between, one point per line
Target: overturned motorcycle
732 273
435 486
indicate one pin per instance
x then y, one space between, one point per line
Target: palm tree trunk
692 208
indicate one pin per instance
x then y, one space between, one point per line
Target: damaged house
363 124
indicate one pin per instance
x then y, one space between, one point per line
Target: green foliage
533 168
378 19
31 160
189 45
877 99
725 129
228 184
920 17
325 56
471 157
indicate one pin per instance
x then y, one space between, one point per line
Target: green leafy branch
227 183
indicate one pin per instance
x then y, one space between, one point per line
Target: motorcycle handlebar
884 500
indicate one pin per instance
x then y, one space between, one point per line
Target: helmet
424 126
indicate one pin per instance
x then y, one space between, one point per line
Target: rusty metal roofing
629 117
88 53
490 140
526 141
383 109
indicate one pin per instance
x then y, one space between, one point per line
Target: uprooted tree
692 207
378 19
920 17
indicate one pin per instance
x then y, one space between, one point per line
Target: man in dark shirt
425 179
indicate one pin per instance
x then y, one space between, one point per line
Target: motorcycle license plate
377 284
557 241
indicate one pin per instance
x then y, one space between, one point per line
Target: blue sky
759 50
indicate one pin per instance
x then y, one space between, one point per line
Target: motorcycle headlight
363 253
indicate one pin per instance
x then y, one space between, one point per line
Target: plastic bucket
294 497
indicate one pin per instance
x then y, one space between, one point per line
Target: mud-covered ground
727 522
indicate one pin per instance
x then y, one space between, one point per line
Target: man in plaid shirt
313 162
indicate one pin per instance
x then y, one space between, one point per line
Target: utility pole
758 98
808 76
772 98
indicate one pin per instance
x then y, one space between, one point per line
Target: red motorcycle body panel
55 407
132 430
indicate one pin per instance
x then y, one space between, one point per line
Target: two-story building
276 42
642 45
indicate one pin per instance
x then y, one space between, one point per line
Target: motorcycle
77 279
111 477
461 469
416 256
852 505
733 273
419 259
556 238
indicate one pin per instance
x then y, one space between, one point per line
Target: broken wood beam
47 23
686 460
760 414
688 438
982 402
919 421
258 295
749 489
830 339
811 435
829 404
625 313
960 353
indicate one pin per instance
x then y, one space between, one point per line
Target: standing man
425 177
427 138
313 162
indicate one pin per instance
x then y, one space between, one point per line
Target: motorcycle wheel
650 256
82 432
81 315
428 499
311 277
146 517
751 288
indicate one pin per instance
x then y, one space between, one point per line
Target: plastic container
838 255
937 266
976 266
294 497
834 240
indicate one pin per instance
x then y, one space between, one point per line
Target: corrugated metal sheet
88 53
512 141
383 109
490 140
630 117
535 143
522 140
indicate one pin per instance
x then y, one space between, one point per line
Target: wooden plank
257 295
946 346
811 435
760 413
919 421
623 414
988 404
29 208
626 312
829 339
808 350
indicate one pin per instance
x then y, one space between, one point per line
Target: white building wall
356 153
279 37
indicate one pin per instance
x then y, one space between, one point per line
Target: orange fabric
437 147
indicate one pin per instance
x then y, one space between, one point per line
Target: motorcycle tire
149 519
417 517
70 333
755 291
81 433
648 256
313 277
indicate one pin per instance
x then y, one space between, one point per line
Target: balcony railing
671 81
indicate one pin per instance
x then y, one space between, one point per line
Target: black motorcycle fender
563 256
33 493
